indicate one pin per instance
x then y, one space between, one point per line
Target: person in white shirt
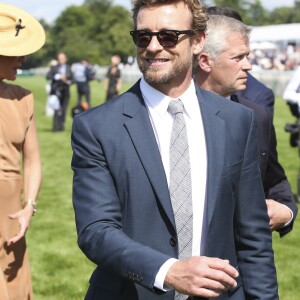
124 188
291 93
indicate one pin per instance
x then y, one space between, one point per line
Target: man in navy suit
124 216
223 68
255 91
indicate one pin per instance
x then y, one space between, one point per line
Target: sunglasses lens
142 39
167 39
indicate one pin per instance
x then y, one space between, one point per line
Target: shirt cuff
292 216
162 273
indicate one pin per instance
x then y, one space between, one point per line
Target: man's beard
154 76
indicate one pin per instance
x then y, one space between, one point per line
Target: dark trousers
60 114
83 89
58 122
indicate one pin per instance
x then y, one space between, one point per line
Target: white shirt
162 121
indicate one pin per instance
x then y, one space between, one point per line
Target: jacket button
173 241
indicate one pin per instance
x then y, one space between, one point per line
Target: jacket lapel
140 130
141 133
214 128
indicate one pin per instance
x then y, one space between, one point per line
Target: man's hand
279 214
202 276
64 79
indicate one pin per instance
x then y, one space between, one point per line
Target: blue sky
50 9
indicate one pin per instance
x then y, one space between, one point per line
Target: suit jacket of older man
275 182
123 211
258 93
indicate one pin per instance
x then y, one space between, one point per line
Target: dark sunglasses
166 38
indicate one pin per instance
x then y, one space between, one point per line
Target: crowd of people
61 75
273 59
177 185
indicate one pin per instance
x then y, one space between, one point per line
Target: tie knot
175 107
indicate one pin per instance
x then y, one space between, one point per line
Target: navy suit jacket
258 93
123 212
275 182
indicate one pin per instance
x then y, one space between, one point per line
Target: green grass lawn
59 269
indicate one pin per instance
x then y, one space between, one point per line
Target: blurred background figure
83 72
113 80
291 93
20 35
61 79
49 110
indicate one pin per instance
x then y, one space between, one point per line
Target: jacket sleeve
282 193
277 186
98 213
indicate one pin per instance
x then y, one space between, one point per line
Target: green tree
95 30
71 33
284 15
39 58
111 32
255 14
238 5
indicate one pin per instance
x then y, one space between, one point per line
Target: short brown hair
198 11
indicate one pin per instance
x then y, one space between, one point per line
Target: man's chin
156 79
241 88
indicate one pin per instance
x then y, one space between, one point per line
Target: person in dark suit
125 211
255 90
61 79
223 68
259 93
113 78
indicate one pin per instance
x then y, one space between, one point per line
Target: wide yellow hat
20 33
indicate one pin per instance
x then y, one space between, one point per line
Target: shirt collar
160 102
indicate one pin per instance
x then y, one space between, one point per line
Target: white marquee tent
283 33
263 46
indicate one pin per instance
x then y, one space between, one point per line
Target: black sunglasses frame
136 34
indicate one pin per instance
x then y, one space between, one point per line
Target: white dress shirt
162 121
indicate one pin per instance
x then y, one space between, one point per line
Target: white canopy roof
263 46
276 33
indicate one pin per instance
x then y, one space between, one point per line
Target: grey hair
218 29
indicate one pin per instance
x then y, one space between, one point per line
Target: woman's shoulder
15 90
19 96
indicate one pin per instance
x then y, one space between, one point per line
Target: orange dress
16 112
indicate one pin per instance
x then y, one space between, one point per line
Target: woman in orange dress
20 165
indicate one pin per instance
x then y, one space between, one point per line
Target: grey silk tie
180 183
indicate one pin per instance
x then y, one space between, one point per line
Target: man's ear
205 62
